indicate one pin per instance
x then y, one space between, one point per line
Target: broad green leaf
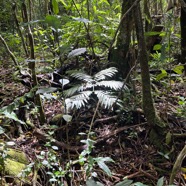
89 142
53 21
10 143
53 180
157 47
64 81
76 52
55 147
55 6
162 75
178 35
105 168
125 183
13 116
178 69
46 90
22 99
104 1
95 9
45 162
10 108
160 181
152 33
67 118
162 34
1 130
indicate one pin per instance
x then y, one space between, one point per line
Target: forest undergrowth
54 150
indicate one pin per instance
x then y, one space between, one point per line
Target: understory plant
93 88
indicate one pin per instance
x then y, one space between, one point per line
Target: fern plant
97 85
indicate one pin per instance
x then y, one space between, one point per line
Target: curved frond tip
109 72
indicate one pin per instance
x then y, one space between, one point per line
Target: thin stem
92 121
86 28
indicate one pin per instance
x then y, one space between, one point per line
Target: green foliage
51 162
9 112
181 110
91 87
53 21
55 6
88 162
162 75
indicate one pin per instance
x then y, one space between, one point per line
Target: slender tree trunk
183 36
148 19
46 7
156 125
31 66
19 30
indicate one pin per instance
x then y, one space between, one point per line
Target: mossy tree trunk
183 36
119 53
148 104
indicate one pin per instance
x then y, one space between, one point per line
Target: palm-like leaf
78 100
106 99
81 76
116 85
109 72
71 91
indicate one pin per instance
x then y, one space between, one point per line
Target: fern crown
79 95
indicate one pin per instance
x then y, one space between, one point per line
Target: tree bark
183 37
148 104
31 66
119 53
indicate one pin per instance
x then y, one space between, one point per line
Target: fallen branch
118 130
105 119
177 165
45 137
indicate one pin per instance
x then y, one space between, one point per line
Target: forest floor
127 143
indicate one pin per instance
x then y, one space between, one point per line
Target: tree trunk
156 134
148 19
31 66
183 36
119 54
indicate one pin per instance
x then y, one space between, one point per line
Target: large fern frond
115 85
109 72
71 91
106 99
78 101
81 76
